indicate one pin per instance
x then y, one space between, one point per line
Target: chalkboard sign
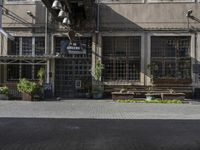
47 90
196 68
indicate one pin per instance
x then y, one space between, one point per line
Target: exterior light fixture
189 12
63 14
29 13
66 21
56 5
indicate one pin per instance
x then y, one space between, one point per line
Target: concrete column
33 46
52 79
1 71
99 47
198 58
48 71
193 56
148 60
143 57
93 52
52 45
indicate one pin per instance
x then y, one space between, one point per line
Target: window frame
114 59
178 59
120 1
20 44
170 1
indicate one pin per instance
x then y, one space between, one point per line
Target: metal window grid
171 58
121 57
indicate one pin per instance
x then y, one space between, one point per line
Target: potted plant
98 88
28 89
4 93
41 77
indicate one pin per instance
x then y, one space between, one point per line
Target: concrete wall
147 16
16 14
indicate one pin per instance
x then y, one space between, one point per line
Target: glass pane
27 46
13 72
26 71
39 45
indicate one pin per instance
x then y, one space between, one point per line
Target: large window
18 71
170 57
26 46
121 58
166 1
121 1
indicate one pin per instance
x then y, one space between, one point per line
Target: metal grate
16 72
26 45
39 45
73 70
170 57
13 46
121 58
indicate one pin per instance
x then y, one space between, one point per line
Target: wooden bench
172 96
122 96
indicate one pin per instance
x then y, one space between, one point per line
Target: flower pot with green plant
27 88
4 93
41 77
98 88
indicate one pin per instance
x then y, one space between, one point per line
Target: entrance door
72 72
72 77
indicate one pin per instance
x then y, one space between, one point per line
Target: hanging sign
76 49
72 48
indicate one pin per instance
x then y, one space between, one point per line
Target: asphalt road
98 134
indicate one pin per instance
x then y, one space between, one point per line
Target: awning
7 35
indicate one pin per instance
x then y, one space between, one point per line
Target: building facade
140 42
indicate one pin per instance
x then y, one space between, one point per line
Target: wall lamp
189 12
29 13
56 5
66 21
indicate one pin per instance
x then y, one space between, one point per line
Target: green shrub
26 86
151 101
41 75
4 90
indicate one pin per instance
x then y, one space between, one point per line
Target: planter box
3 97
27 97
152 96
173 96
172 81
122 96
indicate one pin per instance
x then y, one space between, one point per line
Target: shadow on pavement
98 134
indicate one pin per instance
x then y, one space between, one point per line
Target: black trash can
47 90
197 93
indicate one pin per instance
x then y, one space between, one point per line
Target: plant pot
27 97
3 97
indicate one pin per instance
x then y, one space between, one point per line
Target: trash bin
47 90
197 93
